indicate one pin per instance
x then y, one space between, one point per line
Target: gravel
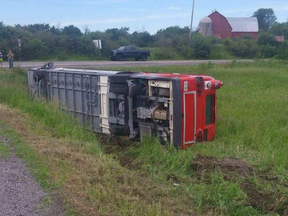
20 194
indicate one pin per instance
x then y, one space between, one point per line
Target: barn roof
245 24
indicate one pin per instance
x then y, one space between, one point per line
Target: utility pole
191 25
98 44
19 45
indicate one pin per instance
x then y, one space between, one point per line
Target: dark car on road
129 52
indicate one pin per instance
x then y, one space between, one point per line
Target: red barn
280 38
223 27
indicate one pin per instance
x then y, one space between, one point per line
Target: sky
139 15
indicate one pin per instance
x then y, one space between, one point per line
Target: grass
3 150
39 170
147 177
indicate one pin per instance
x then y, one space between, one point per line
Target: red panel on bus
189 117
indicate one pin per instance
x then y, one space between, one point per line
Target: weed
38 168
3 150
46 201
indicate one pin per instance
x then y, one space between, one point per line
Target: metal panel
171 113
177 114
104 104
245 24
189 101
79 94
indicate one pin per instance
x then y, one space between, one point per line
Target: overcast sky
139 15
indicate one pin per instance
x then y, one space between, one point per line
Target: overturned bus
179 109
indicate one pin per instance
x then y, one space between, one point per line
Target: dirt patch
265 202
117 147
57 207
114 144
4 140
173 179
225 165
231 169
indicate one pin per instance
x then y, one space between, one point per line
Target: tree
35 49
283 51
173 36
280 29
201 46
173 30
36 27
116 33
72 31
142 39
266 18
266 39
243 47
267 51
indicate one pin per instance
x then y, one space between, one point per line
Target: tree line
43 42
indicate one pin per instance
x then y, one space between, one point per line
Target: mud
265 202
233 168
4 140
225 165
117 146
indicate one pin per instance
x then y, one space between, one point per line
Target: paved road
100 64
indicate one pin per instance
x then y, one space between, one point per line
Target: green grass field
243 171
